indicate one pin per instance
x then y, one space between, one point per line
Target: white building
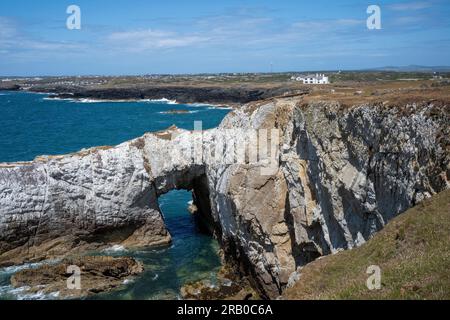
437 76
313 79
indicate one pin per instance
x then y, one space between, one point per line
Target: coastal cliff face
341 174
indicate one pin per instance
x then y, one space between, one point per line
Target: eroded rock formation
97 274
341 174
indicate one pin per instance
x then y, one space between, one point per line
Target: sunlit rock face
331 178
343 174
87 194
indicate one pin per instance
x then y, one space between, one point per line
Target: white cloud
323 25
8 32
410 6
221 30
11 38
7 28
140 40
409 20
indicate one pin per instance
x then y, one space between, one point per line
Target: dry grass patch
412 252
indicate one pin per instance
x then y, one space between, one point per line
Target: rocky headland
186 94
341 173
220 90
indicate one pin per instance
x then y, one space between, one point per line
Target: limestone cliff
341 174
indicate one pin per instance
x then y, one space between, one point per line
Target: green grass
412 252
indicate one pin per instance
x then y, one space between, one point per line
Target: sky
188 36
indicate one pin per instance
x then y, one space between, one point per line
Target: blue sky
143 37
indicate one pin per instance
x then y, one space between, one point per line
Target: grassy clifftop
413 252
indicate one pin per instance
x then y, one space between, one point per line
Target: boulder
97 274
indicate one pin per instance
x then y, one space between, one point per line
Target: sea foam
115 248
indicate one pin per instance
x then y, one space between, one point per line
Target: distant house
437 76
312 79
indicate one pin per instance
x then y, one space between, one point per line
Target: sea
32 124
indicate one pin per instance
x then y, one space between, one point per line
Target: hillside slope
412 252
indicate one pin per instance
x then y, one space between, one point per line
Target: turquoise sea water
32 125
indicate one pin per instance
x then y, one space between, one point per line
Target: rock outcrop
330 178
96 275
343 174
230 285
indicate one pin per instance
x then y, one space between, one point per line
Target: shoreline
163 101
225 95
53 96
